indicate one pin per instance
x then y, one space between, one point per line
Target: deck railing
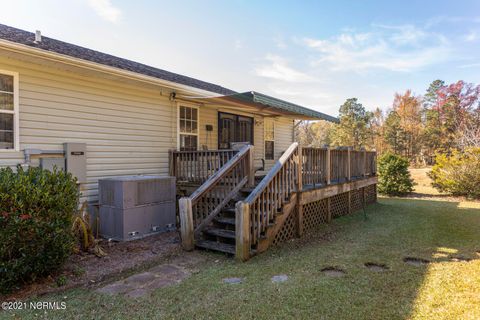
371 163
200 208
297 170
196 167
357 164
258 211
314 164
339 165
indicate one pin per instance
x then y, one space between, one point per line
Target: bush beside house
393 175
36 209
458 173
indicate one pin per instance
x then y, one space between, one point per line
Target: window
188 128
8 111
269 131
234 128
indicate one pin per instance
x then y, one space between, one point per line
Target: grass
396 228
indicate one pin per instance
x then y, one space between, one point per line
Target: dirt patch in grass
160 276
86 269
333 272
417 262
376 267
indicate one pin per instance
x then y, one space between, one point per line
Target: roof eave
301 113
58 57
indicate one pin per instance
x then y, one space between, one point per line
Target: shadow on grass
396 228
407 236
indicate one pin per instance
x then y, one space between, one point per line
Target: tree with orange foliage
409 107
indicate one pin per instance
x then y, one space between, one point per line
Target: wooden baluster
328 164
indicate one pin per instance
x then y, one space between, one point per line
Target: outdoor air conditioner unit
134 207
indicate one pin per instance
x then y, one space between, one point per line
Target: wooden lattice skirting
318 212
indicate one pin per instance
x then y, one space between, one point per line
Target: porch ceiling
267 105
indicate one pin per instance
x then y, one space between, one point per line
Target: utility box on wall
133 207
51 163
76 160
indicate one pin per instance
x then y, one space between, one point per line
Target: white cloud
280 42
278 69
405 34
238 44
471 65
105 9
394 48
472 36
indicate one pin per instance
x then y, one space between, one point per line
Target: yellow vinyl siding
128 128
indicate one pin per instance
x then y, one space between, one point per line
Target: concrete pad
279 278
232 280
143 283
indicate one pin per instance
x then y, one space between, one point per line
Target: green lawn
396 228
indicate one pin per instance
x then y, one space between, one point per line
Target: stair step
217 246
247 190
230 234
229 210
224 220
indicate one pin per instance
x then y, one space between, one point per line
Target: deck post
350 202
300 169
364 163
329 210
251 168
299 192
186 223
349 163
328 167
242 231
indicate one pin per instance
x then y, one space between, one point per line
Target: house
128 114
131 116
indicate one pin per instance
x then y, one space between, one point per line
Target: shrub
458 173
393 175
36 208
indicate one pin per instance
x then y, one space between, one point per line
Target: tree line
445 118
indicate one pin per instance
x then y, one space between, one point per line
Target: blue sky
309 52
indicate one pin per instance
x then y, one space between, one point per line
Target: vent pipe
38 36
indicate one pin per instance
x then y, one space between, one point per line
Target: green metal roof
282 105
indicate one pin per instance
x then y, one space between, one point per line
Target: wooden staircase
238 213
220 235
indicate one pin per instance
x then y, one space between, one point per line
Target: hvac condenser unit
136 206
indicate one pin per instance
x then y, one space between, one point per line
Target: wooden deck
232 212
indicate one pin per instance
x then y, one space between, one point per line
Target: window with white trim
188 128
269 137
8 112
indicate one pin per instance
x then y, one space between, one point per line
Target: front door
234 128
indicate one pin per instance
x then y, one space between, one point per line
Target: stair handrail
196 212
271 174
254 214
